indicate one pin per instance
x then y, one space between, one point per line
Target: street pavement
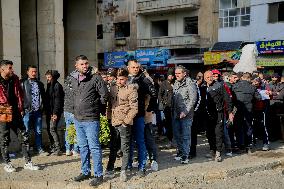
239 171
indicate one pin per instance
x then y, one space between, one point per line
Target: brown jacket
123 104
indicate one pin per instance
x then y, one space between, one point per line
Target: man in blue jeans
90 97
136 76
183 102
34 96
71 149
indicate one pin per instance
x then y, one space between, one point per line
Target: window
122 29
160 28
276 12
230 15
191 25
100 33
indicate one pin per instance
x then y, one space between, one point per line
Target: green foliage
71 134
104 132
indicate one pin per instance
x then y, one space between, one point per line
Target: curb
178 182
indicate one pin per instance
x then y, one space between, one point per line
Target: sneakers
184 160
97 181
74 153
42 153
31 166
178 156
109 174
229 154
218 157
141 173
123 176
9 168
81 177
68 153
265 147
56 153
154 166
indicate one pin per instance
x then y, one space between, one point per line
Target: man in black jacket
216 95
90 97
54 108
244 93
165 97
145 87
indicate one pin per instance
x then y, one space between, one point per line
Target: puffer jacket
166 94
123 104
245 93
184 97
90 95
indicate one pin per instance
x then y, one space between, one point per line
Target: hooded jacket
90 95
54 96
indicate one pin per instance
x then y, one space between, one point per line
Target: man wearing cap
165 97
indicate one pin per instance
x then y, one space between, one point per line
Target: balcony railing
172 42
152 6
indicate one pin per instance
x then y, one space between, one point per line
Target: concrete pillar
80 31
10 45
50 36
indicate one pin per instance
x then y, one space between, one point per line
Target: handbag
5 113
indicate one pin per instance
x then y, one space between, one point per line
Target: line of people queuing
234 108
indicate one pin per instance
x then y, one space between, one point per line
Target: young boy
123 107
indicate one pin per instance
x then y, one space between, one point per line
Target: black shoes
97 181
82 177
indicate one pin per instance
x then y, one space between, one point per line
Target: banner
270 47
270 61
153 57
116 59
211 58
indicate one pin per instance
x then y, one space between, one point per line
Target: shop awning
191 59
227 46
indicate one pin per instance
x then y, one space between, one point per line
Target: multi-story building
186 27
255 21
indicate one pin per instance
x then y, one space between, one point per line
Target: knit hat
171 72
216 72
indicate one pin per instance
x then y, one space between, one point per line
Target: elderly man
184 98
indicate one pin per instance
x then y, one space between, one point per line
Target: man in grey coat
184 98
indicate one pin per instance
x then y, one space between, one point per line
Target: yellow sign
211 58
270 61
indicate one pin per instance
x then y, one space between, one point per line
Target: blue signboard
152 57
115 59
270 47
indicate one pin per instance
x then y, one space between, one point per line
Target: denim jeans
182 135
51 127
88 142
69 119
34 120
138 136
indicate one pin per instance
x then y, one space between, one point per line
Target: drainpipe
37 52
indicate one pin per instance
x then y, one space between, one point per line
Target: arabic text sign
152 57
211 58
270 47
115 59
270 61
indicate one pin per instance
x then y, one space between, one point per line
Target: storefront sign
211 58
153 57
270 61
270 47
116 59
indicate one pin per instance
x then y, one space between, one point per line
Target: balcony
171 42
160 6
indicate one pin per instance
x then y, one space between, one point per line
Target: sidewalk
56 171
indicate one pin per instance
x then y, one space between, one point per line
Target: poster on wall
211 58
270 47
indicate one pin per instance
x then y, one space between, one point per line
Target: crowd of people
234 109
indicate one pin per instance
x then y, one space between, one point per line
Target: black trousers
52 132
17 126
168 123
150 142
215 131
120 138
244 122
